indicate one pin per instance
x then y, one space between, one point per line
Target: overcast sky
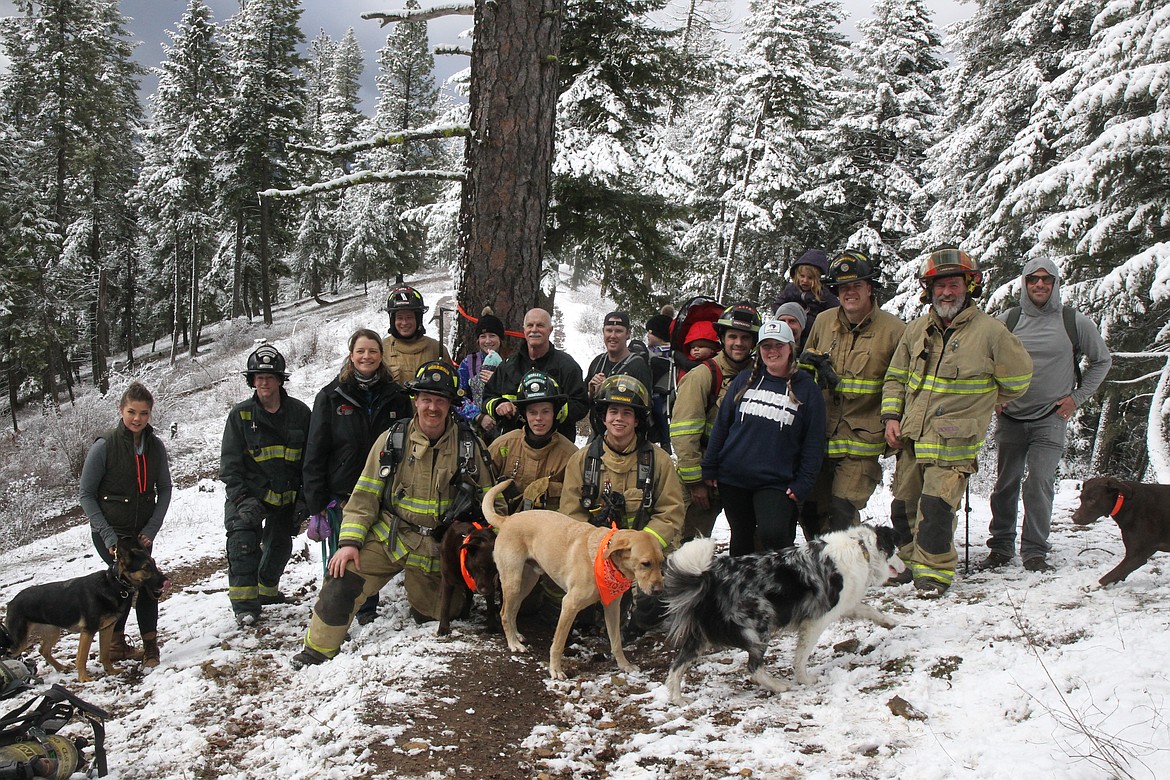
150 19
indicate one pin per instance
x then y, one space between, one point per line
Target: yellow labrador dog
544 542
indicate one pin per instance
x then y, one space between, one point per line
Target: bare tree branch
386 139
422 14
361 177
453 50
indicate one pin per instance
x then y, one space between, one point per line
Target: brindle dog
89 605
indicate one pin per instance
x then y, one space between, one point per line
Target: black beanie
659 325
489 323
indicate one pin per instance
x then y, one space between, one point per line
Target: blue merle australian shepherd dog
739 602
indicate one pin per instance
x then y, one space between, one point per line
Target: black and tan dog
89 605
1138 508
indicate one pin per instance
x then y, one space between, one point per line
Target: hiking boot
994 560
307 657
247 619
121 650
365 618
903 577
268 601
150 649
929 588
1039 563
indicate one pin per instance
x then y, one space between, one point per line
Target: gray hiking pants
1035 447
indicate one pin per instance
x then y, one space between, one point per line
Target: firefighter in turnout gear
534 456
696 405
418 476
622 461
407 346
950 370
260 463
848 351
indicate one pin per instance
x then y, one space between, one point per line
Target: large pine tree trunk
238 267
193 309
509 157
265 275
101 336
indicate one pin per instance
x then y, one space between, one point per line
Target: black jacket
559 365
346 420
260 456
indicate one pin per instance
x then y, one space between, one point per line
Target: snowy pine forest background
687 161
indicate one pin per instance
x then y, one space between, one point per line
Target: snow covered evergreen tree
70 94
787 71
388 236
175 191
265 112
871 190
616 186
333 77
996 134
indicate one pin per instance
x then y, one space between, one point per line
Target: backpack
1069 315
592 497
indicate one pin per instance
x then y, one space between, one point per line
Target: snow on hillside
1011 674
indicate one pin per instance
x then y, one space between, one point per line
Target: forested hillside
682 164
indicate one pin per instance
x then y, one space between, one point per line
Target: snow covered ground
1011 674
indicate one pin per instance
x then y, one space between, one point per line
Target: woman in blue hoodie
767 445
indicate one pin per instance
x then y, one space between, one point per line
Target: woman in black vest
125 492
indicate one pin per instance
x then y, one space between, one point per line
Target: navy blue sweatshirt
766 441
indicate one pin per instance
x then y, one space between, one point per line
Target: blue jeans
1035 447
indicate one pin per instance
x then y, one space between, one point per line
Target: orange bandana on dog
610 582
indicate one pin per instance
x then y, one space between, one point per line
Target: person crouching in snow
399 499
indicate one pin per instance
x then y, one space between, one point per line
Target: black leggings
767 512
145 606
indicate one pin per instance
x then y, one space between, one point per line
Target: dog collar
1117 507
611 583
127 587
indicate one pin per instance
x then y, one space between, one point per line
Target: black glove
251 511
822 369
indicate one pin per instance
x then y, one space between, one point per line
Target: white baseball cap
776 330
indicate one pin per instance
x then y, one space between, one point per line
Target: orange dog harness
610 582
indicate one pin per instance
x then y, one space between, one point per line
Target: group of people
776 422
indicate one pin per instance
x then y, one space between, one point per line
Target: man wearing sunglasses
1031 429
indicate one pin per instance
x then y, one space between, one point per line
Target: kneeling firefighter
420 474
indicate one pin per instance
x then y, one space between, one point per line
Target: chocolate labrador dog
1142 512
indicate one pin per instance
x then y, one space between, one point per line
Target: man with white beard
952 367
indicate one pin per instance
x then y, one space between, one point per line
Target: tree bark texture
509 158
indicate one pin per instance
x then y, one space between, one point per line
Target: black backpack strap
1013 318
1070 327
591 479
391 454
1069 316
716 381
645 483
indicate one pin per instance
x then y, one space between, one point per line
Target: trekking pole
967 533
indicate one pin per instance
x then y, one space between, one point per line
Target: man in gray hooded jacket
1030 431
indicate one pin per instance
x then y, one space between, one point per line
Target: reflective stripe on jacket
860 356
419 495
944 383
691 421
